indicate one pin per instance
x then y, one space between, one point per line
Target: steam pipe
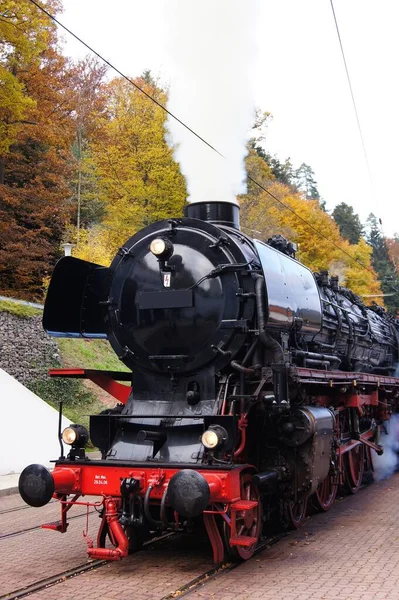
246 370
241 366
242 424
122 543
310 362
316 356
267 340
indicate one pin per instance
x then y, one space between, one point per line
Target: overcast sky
300 79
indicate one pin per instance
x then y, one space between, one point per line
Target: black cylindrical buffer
219 213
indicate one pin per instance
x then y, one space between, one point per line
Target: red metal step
55 526
243 540
244 505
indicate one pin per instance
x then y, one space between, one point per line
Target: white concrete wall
28 427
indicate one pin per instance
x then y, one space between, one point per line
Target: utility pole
79 135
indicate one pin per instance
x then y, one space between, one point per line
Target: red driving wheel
325 494
354 468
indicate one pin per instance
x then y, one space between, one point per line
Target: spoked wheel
295 512
354 468
368 475
325 494
248 522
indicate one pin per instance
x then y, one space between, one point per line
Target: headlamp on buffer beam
214 437
76 436
162 248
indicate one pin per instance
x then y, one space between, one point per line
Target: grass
78 402
89 354
78 396
79 399
19 310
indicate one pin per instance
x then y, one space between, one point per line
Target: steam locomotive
255 386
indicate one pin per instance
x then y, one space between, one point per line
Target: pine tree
306 182
348 222
383 265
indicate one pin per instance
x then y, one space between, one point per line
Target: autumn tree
139 180
89 109
25 33
35 193
393 251
348 222
359 273
256 216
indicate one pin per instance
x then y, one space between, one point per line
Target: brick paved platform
351 552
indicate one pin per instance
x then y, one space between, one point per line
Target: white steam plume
386 464
210 55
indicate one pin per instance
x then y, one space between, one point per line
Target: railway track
43 584
190 586
224 567
22 507
186 588
34 527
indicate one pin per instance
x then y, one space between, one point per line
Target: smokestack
218 213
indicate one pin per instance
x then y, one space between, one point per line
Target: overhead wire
173 116
139 88
355 108
353 97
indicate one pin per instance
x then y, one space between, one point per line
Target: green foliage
383 265
282 171
305 181
78 401
348 222
19 310
300 180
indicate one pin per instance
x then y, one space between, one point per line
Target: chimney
218 213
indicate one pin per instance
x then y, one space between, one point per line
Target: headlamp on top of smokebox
162 248
76 436
214 437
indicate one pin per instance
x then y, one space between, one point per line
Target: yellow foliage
302 221
139 180
95 245
24 33
357 278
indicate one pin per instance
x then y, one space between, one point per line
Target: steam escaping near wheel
211 48
387 464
